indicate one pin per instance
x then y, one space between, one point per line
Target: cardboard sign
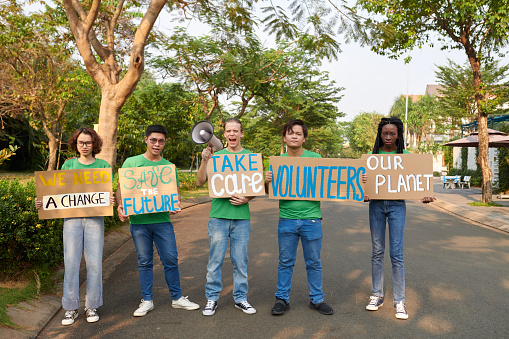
399 176
240 174
74 193
316 179
149 189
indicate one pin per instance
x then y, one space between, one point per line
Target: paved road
457 283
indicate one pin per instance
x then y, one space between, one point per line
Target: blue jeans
381 213
83 235
144 236
238 230
310 231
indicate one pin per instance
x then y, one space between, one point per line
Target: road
457 279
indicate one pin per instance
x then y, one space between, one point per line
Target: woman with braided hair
389 140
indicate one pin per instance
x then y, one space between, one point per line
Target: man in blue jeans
147 229
229 218
298 219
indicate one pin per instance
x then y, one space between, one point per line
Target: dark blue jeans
144 236
310 232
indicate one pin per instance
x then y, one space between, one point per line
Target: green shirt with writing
300 209
149 218
222 208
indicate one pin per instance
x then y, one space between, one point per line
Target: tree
37 73
167 104
478 27
362 131
457 100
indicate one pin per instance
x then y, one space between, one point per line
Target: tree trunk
482 123
108 123
53 150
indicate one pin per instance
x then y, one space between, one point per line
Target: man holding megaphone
229 218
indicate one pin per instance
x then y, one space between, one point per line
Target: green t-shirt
149 218
300 209
75 164
222 208
393 152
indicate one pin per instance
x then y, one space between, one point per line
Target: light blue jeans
144 237
381 213
310 232
238 230
83 235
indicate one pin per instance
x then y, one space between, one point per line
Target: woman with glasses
83 235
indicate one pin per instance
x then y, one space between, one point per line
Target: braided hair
400 142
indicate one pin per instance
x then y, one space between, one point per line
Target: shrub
26 241
187 181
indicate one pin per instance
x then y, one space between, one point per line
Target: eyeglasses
87 143
157 141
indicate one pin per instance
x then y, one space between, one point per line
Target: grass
199 192
12 293
487 204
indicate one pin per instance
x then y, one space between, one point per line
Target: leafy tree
457 100
167 104
37 73
477 27
362 132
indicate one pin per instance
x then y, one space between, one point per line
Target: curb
473 216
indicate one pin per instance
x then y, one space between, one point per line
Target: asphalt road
457 279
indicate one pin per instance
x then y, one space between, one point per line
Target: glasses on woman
84 143
157 141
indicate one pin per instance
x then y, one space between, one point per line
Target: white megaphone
203 132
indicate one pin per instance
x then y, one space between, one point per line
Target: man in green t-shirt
229 218
147 229
298 219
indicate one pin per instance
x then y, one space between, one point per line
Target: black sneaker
280 307
322 307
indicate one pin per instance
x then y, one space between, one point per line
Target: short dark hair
288 127
156 129
97 142
233 120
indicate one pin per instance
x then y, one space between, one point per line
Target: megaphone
203 132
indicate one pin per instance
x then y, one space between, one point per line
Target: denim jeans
162 234
83 235
381 213
310 232
238 230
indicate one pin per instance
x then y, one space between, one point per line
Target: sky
371 82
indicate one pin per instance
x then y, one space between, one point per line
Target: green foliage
486 204
448 157
6 153
26 241
13 296
167 104
187 181
362 132
464 158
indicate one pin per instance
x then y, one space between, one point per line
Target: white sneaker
184 303
92 315
401 311
210 308
144 308
69 317
245 307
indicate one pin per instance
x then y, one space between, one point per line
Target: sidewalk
33 316
456 201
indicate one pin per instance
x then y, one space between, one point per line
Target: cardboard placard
240 174
149 189
316 179
399 176
74 193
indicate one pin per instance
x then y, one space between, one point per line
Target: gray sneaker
69 317
92 315
375 301
210 308
401 311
